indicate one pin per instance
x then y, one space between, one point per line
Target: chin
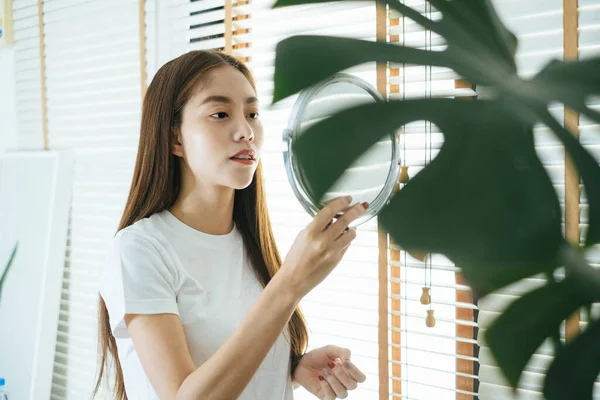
239 184
239 179
240 187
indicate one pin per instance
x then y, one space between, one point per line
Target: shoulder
144 234
140 248
140 275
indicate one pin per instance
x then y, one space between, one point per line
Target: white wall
8 114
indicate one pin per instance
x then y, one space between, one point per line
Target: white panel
35 196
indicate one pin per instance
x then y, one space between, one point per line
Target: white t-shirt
160 265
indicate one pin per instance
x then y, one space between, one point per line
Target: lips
244 155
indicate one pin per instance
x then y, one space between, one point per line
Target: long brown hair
156 182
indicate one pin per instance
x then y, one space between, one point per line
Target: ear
177 144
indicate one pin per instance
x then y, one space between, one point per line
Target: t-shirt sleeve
138 278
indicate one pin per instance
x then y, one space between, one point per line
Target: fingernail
347 363
348 199
326 373
330 364
365 205
321 378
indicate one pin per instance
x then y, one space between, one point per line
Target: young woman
195 302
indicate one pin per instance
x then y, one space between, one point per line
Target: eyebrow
225 99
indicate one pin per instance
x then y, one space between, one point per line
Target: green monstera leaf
485 201
527 322
573 374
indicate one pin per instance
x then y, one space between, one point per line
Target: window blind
93 95
539 26
436 362
589 131
343 310
168 29
207 24
174 27
589 134
28 85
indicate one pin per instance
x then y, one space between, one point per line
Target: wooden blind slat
572 191
384 389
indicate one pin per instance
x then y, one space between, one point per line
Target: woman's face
221 136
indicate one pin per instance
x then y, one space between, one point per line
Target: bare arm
160 341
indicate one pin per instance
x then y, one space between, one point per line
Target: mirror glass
372 176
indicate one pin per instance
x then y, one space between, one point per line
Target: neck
206 208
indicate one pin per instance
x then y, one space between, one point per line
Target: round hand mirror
371 178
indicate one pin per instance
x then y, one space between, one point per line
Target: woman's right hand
320 246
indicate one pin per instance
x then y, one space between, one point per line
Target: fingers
354 372
346 239
338 227
345 379
328 212
338 388
340 376
328 393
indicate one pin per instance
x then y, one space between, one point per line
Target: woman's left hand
328 373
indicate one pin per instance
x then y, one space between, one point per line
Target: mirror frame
290 161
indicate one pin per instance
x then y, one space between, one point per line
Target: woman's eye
253 115
219 115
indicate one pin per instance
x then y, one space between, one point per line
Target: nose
243 131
